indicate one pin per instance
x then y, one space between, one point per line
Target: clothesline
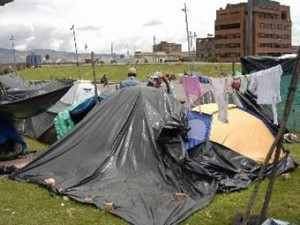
265 84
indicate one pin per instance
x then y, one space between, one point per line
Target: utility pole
12 39
76 52
193 39
154 51
187 33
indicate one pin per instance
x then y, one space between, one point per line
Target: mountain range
7 56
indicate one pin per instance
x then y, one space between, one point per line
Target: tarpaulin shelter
252 64
234 152
20 99
129 151
41 127
11 143
241 127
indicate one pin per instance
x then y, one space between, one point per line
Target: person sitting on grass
104 80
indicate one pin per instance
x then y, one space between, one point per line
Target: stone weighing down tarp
128 151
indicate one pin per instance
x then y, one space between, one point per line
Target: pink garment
191 86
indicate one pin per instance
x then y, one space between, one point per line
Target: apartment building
167 47
258 27
205 48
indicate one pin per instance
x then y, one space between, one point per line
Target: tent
24 99
11 143
41 127
128 153
241 127
233 151
256 63
20 99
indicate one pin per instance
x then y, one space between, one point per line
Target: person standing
131 81
161 82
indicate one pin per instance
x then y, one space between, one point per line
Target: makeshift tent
41 127
235 150
241 127
129 153
256 63
11 143
20 99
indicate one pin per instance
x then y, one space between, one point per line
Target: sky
102 25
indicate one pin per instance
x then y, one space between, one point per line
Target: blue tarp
199 129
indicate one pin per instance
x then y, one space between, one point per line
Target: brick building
205 48
269 33
167 47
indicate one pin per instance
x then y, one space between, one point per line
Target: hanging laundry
268 85
220 88
244 83
268 88
191 86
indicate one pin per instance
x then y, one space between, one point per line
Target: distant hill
6 56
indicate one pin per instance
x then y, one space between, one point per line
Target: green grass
119 72
31 204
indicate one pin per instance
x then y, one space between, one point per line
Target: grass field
30 204
119 72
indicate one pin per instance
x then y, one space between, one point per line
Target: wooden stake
94 76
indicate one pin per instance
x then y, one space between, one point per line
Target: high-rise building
258 27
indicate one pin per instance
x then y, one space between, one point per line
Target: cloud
46 24
89 28
154 22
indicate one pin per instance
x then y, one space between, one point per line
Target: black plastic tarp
21 99
256 63
129 150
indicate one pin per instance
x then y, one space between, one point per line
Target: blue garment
7 132
199 129
130 82
203 79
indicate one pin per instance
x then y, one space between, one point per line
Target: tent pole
268 194
288 106
94 76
